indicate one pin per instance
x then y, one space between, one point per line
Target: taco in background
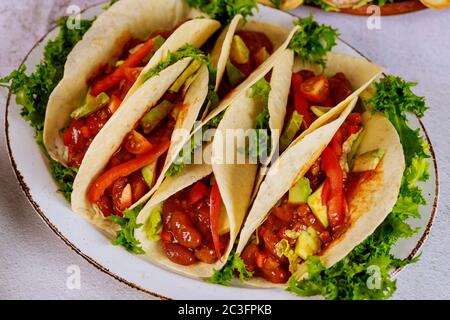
324 196
106 66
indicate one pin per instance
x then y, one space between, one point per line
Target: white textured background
33 260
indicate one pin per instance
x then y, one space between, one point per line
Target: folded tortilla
100 45
368 208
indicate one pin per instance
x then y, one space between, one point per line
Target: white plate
32 172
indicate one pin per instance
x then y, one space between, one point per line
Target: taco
108 64
191 223
324 195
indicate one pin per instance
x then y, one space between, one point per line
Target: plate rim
26 190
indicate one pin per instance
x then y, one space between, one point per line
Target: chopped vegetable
239 53
291 130
368 160
156 114
99 186
315 89
136 143
189 71
300 191
235 76
300 103
91 105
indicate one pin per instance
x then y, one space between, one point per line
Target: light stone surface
34 261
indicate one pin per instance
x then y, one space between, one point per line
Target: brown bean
179 254
206 255
184 231
249 256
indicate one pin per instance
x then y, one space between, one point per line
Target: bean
184 231
179 254
206 255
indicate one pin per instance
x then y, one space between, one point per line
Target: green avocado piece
368 160
149 173
189 71
318 209
91 105
300 192
239 52
291 130
235 76
156 115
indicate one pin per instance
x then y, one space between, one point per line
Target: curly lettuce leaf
366 272
234 265
313 41
125 236
33 91
225 10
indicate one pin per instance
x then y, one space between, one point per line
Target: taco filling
314 212
134 168
249 49
107 88
189 224
310 97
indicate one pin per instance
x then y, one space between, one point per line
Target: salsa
186 236
115 81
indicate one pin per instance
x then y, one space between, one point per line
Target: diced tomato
136 143
197 192
300 103
316 89
131 74
99 186
354 118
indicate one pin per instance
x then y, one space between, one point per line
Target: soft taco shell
372 203
104 40
122 122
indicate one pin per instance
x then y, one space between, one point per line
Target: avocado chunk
239 52
153 225
318 209
300 192
189 71
368 160
349 149
319 111
149 173
235 76
291 130
158 41
91 105
308 243
156 115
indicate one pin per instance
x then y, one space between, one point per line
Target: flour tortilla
104 40
123 121
372 203
240 115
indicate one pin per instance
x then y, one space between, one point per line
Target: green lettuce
234 265
225 10
125 236
33 91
